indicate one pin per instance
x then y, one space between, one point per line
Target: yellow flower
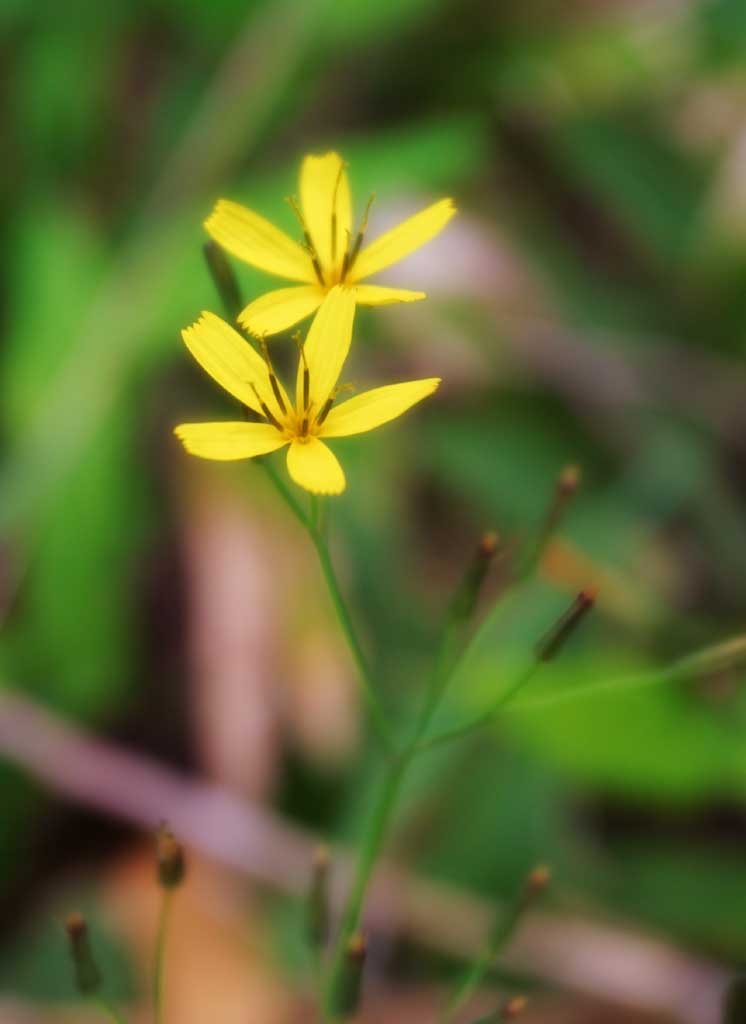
330 253
237 366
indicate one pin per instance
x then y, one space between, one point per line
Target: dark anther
309 246
273 378
265 409
306 387
325 410
334 213
350 257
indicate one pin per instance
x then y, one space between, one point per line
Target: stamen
309 246
267 413
304 427
334 212
350 257
306 387
326 409
272 377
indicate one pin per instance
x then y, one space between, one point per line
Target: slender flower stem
309 523
377 715
371 847
479 721
109 1010
160 948
286 494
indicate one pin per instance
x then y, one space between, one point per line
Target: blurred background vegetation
587 306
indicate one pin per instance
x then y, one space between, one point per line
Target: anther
306 387
325 409
265 409
350 257
273 378
309 246
334 213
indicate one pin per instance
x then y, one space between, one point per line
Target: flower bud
351 980
87 974
734 1008
170 859
465 599
553 642
318 897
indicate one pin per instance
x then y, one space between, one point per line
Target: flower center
332 276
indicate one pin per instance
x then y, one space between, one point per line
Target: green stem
378 718
377 715
371 847
160 949
476 972
109 1010
286 494
485 718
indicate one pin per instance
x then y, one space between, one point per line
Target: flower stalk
170 872
502 929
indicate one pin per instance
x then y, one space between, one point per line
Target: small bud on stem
87 974
565 487
513 1008
465 599
170 858
734 1007
351 979
553 642
509 1010
317 920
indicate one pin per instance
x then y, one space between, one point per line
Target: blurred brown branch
600 960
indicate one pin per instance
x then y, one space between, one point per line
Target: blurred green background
587 305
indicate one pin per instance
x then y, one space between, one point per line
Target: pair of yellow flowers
331 263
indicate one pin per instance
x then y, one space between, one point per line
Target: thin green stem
286 494
309 523
476 972
108 1009
160 949
371 847
479 721
377 716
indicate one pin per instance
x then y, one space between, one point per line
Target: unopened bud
170 858
351 979
513 1008
553 642
565 487
87 974
223 278
538 879
509 1010
318 897
465 599
734 1007
568 481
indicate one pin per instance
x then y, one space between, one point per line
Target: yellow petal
229 440
403 239
324 191
250 237
314 466
278 310
373 408
377 295
231 361
326 347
